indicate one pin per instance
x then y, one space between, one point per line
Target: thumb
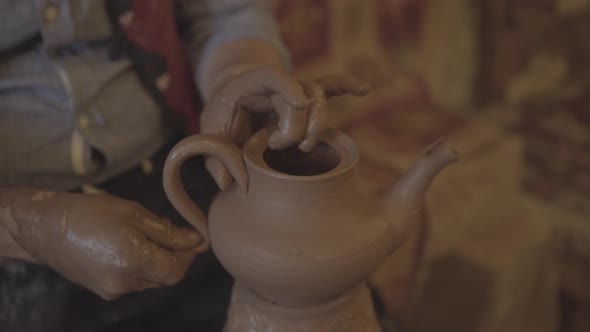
219 173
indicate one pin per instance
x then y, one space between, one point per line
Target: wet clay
109 245
303 237
299 106
351 312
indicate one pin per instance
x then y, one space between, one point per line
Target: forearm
234 58
225 38
20 208
9 248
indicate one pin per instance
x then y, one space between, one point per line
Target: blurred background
504 242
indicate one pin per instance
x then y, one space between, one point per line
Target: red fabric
153 28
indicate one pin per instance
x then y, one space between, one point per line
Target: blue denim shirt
70 115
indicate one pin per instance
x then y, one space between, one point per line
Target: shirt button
83 121
50 13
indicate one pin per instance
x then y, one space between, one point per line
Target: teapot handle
203 144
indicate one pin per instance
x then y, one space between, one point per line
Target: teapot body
294 253
296 231
299 239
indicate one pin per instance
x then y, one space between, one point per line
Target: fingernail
181 236
307 145
220 179
275 141
225 181
303 103
364 88
201 249
193 236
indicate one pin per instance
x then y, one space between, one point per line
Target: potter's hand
109 245
299 106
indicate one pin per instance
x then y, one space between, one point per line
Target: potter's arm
242 64
109 245
235 58
228 38
9 247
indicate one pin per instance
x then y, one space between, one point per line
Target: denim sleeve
18 23
208 24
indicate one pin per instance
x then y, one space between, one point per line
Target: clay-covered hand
299 109
109 245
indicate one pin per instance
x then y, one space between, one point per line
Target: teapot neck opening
334 158
292 161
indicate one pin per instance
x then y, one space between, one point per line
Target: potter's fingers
256 104
164 233
106 296
261 110
268 81
113 287
143 284
162 266
219 173
317 116
292 124
337 85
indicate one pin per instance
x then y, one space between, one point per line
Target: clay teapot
294 227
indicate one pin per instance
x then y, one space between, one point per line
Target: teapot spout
405 200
